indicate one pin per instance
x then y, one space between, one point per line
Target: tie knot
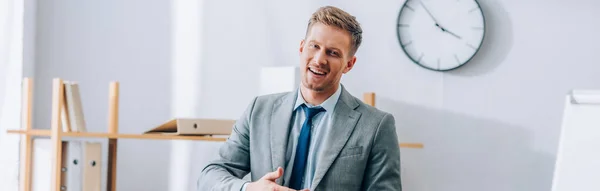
311 112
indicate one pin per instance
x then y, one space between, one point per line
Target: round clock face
440 35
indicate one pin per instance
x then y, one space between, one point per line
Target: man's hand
267 182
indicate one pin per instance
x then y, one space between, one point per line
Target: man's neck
316 97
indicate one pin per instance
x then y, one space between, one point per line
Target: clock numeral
408 43
473 47
473 9
438 63
477 28
458 61
403 25
420 57
408 7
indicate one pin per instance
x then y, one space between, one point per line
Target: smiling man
319 137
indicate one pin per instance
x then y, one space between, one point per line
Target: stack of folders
80 170
72 109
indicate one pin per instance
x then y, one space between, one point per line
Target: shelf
412 145
32 132
38 132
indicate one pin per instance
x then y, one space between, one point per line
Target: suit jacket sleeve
233 164
383 169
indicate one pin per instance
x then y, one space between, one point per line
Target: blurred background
491 125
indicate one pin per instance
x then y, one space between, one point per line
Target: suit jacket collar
280 129
344 121
348 99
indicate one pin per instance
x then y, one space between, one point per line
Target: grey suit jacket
362 151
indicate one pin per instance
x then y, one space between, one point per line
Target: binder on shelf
91 166
75 107
73 164
72 110
83 160
66 124
194 126
81 165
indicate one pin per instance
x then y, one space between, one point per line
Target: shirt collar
328 104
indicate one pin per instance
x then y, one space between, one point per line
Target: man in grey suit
324 138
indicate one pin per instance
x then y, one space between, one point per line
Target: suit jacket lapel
344 121
280 126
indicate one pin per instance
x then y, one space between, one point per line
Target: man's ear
301 46
350 64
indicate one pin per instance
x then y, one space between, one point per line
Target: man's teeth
316 71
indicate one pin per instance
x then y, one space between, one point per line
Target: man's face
324 57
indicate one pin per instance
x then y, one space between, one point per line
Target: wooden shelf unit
57 134
47 133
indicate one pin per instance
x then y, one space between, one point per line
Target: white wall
491 125
494 124
95 42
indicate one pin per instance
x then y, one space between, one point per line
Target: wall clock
440 35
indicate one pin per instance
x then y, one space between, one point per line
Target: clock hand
436 22
444 29
427 10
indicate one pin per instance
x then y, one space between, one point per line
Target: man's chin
315 87
318 89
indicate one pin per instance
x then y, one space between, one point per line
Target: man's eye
314 46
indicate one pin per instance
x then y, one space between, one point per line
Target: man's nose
321 58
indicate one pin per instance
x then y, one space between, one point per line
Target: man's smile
317 71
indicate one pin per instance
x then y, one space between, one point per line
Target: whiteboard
578 158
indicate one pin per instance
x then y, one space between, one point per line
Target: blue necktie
302 148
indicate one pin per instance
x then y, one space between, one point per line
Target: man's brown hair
336 17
